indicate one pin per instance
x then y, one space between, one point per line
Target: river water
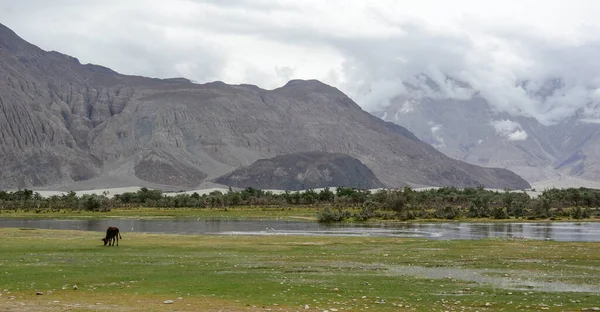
558 231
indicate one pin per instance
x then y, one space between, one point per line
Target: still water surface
580 231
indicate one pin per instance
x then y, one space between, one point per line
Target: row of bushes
537 211
445 203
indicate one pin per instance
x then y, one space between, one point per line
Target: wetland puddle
563 231
512 280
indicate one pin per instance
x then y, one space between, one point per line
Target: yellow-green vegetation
256 213
302 213
239 273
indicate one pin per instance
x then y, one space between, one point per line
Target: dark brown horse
112 234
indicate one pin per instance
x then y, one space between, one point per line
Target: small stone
168 301
179 298
336 289
487 304
39 293
333 310
595 309
306 307
75 287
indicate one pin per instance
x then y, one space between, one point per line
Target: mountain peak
303 83
312 85
10 41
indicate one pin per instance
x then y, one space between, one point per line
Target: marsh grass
244 213
234 273
247 213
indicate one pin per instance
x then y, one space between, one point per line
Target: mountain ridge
65 123
472 130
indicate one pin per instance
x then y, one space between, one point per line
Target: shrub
580 213
447 212
499 213
328 215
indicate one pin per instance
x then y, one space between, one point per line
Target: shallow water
515 280
579 231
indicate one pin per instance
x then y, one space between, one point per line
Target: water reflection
581 231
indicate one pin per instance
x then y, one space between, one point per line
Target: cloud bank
527 58
510 129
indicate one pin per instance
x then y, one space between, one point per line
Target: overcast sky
365 48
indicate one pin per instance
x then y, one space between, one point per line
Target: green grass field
292 213
238 213
239 273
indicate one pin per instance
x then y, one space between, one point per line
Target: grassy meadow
290 273
294 213
246 213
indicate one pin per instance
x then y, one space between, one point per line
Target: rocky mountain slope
473 131
301 171
66 125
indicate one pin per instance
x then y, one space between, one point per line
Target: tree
326 195
396 202
542 208
91 202
309 197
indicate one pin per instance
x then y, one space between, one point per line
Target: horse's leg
117 237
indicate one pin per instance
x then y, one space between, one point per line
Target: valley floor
158 272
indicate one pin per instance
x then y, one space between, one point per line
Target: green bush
327 215
448 212
499 213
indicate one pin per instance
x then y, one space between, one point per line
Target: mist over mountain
473 130
65 125
368 50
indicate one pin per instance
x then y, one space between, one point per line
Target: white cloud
368 49
408 106
518 135
435 128
510 129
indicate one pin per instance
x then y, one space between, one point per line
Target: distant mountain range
65 125
473 131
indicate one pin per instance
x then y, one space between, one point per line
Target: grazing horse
112 233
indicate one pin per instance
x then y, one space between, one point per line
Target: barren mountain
64 124
473 131
303 171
